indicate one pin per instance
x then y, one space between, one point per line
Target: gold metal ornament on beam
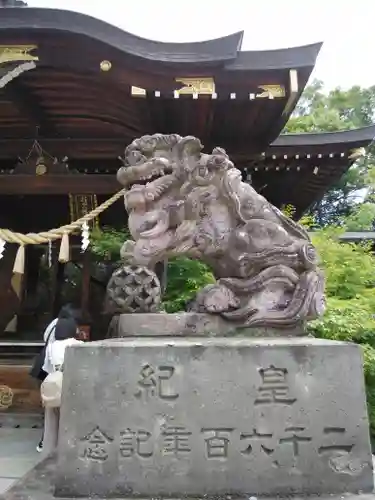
199 86
6 397
271 92
105 66
190 86
41 167
14 53
206 86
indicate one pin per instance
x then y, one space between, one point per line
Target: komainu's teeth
162 172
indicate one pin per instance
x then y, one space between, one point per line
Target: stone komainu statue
181 201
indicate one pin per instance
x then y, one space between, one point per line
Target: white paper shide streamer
50 253
85 236
2 248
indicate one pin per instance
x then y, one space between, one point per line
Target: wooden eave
109 148
298 169
74 98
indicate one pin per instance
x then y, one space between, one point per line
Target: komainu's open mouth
143 181
142 175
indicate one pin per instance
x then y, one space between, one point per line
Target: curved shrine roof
225 95
90 88
226 48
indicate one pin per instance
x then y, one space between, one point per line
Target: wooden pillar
10 291
16 284
57 286
85 291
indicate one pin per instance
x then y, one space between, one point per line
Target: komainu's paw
214 299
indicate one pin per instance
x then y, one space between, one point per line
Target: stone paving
17 454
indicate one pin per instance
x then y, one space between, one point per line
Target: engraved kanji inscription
295 437
217 441
335 441
96 445
136 442
176 439
274 386
156 383
257 442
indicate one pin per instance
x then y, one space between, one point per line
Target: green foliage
369 370
346 320
307 221
288 210
362 217
350 275
106 243
338 109
349 267
353 321
185 278
318 111
350 288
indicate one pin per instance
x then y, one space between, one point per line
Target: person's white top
55 353
50 328
49 339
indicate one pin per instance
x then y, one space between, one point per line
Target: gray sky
346 26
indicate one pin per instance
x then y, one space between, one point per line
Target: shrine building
74 92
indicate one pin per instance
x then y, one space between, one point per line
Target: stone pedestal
189 324
213 416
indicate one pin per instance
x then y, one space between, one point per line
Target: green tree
350 288
362 217
106 243
338 109
185 278
350 281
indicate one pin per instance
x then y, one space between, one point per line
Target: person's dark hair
68 311
66 328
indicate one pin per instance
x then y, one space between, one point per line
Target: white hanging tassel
2 247
50 253
85 236
19 263
64 255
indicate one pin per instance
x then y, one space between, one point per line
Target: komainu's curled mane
184 202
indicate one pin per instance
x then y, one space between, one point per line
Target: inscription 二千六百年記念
225 413
217 442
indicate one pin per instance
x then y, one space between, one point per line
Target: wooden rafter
29 107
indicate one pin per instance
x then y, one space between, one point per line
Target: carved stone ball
133 289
